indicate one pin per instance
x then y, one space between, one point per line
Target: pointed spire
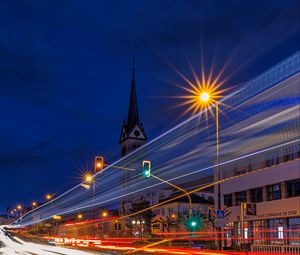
133 114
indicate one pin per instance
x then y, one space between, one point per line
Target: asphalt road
12 245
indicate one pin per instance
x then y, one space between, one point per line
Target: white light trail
187 152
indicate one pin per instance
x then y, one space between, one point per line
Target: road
12 245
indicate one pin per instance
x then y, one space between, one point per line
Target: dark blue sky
65 70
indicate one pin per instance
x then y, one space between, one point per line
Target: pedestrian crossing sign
220 214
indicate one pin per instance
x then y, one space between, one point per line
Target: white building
264 163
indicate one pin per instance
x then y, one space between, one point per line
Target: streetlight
88 177
90 181
104 214
79 216
202 96
19 207
48 197
208 98
34 204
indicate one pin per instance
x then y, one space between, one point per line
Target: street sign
220 219
251 209
220 214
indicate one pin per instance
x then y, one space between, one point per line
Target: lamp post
19 207
204 96
207 100
90 180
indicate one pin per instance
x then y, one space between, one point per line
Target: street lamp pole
220 246
207 99
94 191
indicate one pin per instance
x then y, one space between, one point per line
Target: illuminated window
246 233
280 232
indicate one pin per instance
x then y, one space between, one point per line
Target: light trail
13 245
191 192
190 157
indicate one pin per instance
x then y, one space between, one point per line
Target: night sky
65 71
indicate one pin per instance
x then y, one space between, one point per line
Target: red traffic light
99 164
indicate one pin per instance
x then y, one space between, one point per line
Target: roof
133 112
184 199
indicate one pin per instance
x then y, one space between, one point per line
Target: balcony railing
276 249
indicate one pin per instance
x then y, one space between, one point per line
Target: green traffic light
146 168
193 223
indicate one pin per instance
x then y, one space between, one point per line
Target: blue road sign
220 214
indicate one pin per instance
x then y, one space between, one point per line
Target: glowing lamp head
89 178
48 197
204 96
104 214
19 207
79 216
34 204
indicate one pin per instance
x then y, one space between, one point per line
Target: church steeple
133 134
133 113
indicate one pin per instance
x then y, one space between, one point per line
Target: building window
250 168
256 195
287 157
274 192
228 200
241 197
294 226
239 172
276 236
293 188
267 163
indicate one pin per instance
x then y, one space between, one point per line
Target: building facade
263 168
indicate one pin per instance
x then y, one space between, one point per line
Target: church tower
132 134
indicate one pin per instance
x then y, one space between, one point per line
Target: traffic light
193 224
99 164
146 168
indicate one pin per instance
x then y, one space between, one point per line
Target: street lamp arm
179 188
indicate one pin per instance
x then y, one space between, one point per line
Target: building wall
277 208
